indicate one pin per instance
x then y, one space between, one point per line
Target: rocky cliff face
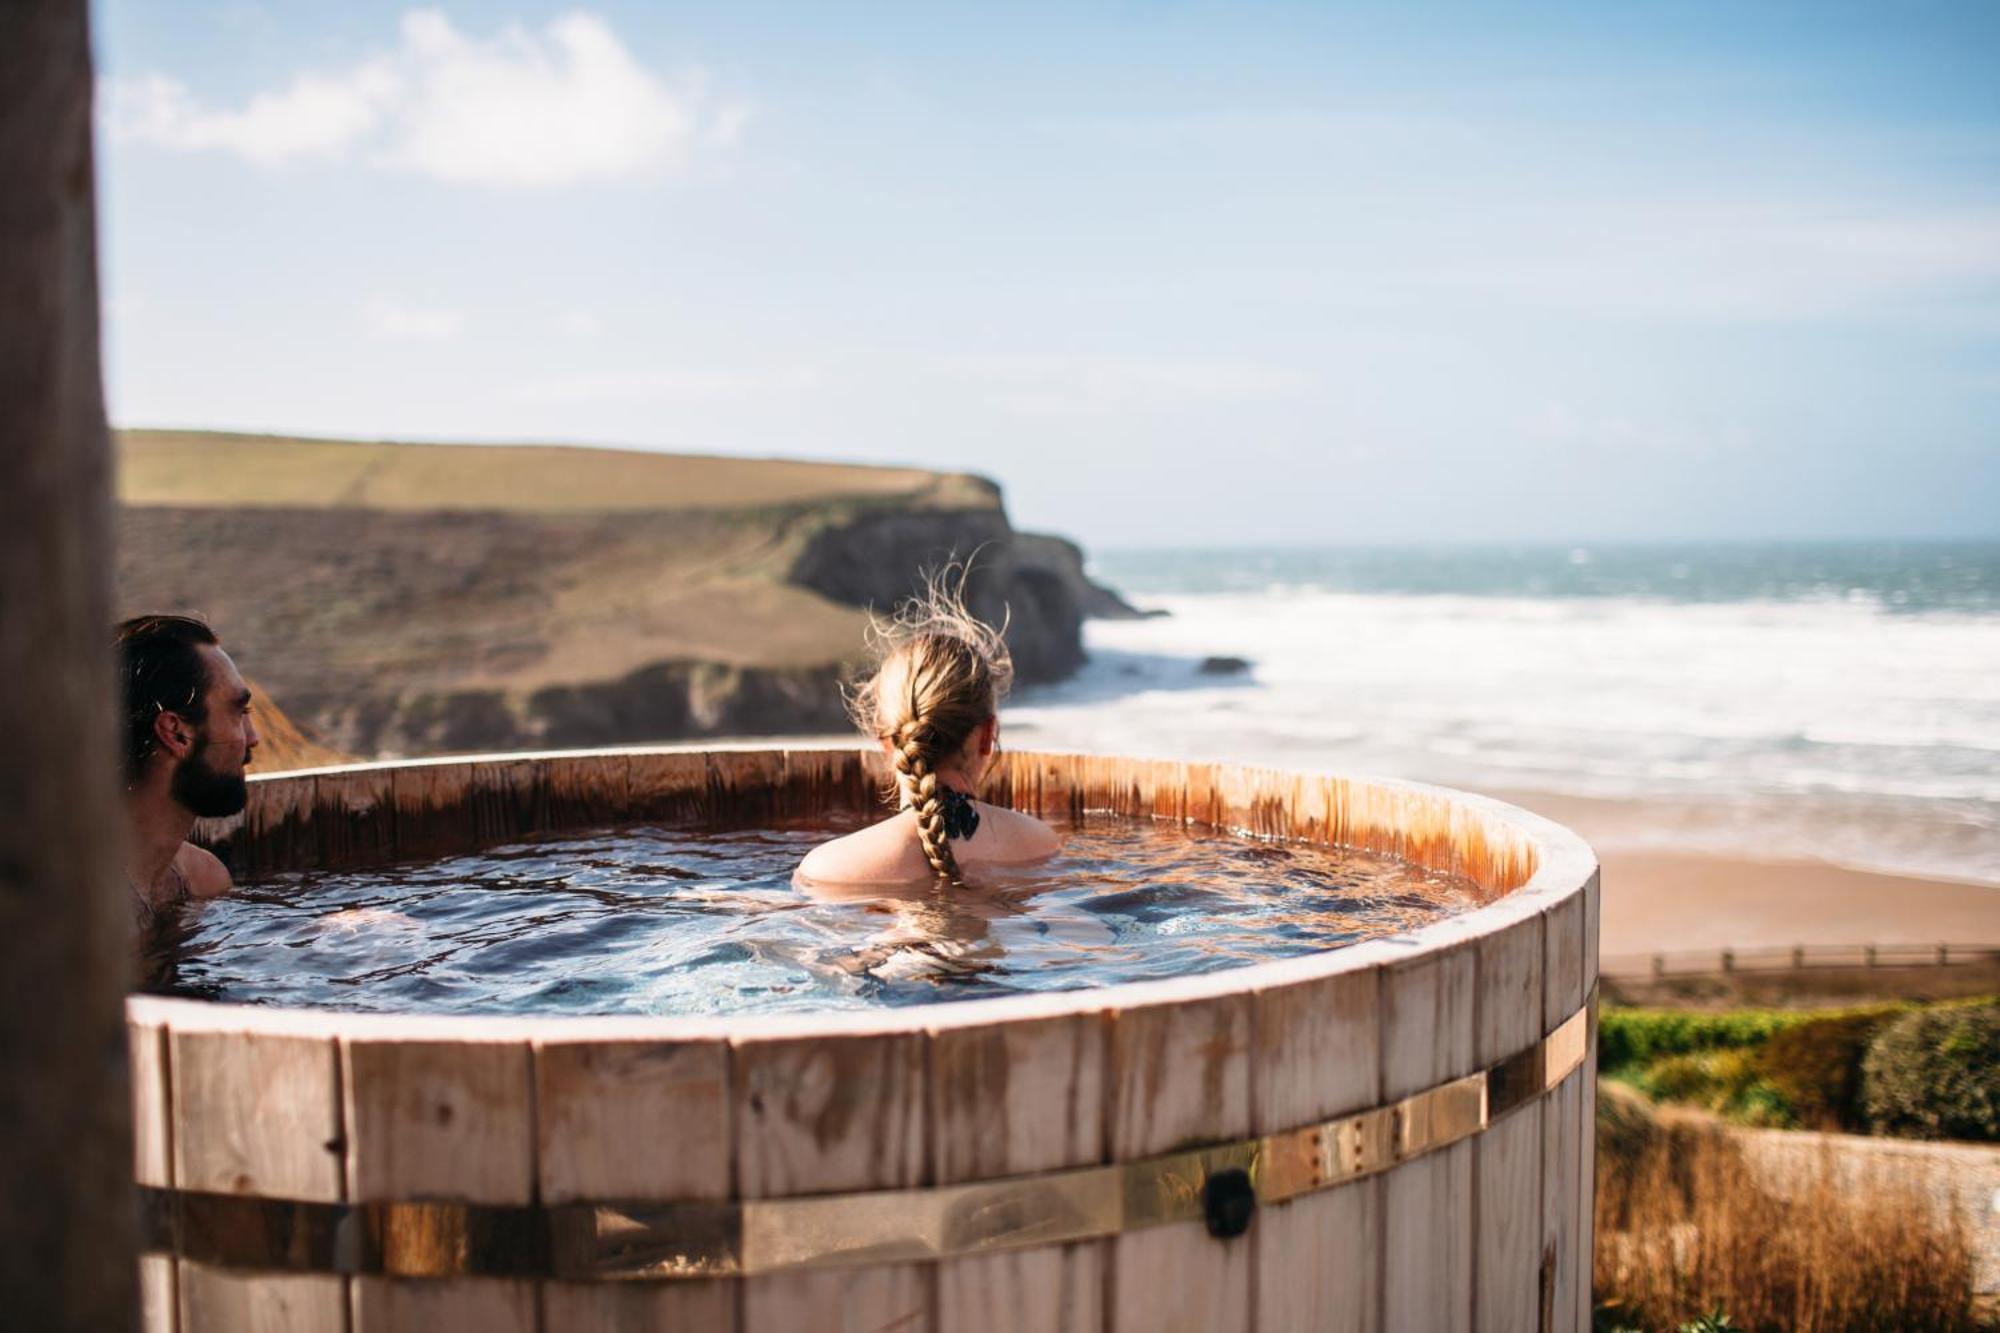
876 560
410 631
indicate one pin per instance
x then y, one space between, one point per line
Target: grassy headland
403 598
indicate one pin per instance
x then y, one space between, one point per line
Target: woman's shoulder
880 853
1019 836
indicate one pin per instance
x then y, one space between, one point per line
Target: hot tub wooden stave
522 1118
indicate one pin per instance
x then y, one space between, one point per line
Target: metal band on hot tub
654 1241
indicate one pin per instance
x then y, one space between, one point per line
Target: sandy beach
1663 900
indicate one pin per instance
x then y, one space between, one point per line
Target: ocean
1836 702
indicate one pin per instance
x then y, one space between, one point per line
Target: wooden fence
1795 958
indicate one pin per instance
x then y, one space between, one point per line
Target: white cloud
579 324
520 109
397 321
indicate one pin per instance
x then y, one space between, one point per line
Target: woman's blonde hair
940 674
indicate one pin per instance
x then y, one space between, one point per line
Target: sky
1173 274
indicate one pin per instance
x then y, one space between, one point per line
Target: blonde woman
933 703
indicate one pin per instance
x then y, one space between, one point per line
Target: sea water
1833 702
654 920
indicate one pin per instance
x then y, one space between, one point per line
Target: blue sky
1171 273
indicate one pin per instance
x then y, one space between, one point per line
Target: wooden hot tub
1393 1135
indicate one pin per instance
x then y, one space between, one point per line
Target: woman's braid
920 784
940 677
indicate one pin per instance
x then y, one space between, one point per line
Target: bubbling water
651 920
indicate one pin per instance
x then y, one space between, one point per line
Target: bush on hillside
1935 1074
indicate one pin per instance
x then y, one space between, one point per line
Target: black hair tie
960 819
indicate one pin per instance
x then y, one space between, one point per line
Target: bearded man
188 738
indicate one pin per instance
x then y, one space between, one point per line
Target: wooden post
66 1204
1728 960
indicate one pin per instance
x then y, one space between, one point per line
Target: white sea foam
1810 727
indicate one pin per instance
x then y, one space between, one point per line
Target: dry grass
286 745
217 468
1685 1228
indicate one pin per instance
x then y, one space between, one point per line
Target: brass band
601 1242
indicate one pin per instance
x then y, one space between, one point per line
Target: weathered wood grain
814 1115
1007 1099
817 781
217 1300
256 1113
670 788
632 1120
1427 1039
1179 1076
639 1307
152 1103
1202 802
1507 1158
1254 800
748 784
817 1114
1317 1056
433 809
277 831
584 791
355 814
159 1302
1565 1260
1046 785
506 800
1059 1288
438 1119
1586 1138
466 1305
889 1299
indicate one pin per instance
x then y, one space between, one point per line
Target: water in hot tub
653 920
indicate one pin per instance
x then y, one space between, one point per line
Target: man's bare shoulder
206 876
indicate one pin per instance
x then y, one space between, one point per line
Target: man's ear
173 734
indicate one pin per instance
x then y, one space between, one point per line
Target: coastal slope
419 599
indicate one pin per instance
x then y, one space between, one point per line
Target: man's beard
209 794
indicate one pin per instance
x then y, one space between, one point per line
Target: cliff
416 599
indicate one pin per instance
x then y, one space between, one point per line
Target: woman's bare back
891 853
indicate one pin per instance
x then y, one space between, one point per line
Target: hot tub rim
1566 866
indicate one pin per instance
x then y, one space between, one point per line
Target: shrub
1727 1082
1686 1230
1815 1067
1935 1074
1634 1037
